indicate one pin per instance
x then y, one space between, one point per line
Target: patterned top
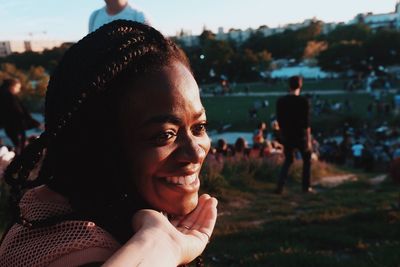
68 243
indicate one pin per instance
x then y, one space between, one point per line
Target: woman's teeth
182 180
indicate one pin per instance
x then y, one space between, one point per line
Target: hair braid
18 171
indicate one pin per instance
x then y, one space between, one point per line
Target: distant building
187 39
378 21
240 36
236 35
9 47
375 21
328 27
266 31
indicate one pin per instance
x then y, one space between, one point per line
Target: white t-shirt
100 17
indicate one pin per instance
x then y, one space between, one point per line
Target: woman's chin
184 208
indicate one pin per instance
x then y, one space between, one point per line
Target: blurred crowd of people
368 148
265 144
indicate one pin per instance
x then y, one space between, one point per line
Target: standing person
13 115
114 10
293 115
126 87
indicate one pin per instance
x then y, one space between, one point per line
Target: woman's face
15 89
164 137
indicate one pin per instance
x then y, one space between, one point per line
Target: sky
67 20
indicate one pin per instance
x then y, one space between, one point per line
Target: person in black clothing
14 118
293 115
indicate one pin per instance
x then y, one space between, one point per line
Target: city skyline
67 20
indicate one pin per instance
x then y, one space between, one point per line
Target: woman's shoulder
70 243
70 240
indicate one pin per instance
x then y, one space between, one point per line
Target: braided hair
80 149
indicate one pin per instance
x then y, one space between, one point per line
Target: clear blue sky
67 19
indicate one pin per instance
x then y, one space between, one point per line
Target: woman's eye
199 129
162 138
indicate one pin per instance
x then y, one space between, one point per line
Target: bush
245 174
212 182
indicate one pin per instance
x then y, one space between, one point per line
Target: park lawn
234 111
282 86
354 224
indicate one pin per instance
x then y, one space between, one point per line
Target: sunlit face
15 89
163 125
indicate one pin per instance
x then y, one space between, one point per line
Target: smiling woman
124 143
167 138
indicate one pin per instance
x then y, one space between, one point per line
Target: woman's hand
188 235
197 227
159 242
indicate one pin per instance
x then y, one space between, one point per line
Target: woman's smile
182 180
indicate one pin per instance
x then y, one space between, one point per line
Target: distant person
259 134
293 115
223 148
114 10
357 149
241 149
14 117
5 158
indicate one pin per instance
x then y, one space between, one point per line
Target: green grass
355 224
282 86
228 110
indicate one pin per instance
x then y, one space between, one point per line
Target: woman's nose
191 150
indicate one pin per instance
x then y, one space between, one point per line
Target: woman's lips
182 180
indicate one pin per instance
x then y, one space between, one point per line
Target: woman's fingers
192 217
197 237
202 222
185 223
186 219
207 218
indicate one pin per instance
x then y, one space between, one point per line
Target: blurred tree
343 57
37 73
247 65
205 37
308 33
8 70
39 80
218 54
289 44
314 48
357 32
256 42
383 48
48 58
41 86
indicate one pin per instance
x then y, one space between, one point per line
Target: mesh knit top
68 243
